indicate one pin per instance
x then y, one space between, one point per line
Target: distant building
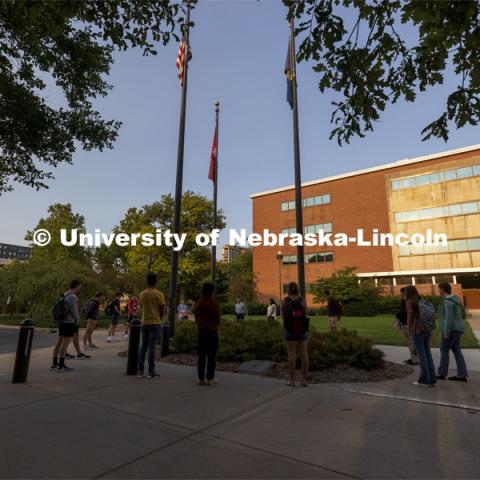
231 252
10 252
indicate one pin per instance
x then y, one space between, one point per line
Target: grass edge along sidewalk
379 328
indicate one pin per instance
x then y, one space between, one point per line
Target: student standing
115 310
421 339
67 326
240 310
93 308
295 322
334 310
401 325
152 304
272 310
207 317
452 328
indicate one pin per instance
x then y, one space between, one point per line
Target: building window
289 259
438 212
320 257
436 177
453 246
307 202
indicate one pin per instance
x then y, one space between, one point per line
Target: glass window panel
327 198
317 201
291 205
459 245
450 175
422 180
309 201
411 216
284 206
454 210
439 212
399 217
408 182
473 244
427 213
328 227
476 170
471 207
464 172
396 185
434 178
329 257
416 249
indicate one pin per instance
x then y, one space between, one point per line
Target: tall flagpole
298 176
172 298
215 182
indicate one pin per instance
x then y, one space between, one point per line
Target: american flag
181 59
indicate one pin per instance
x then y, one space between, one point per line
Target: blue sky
239 50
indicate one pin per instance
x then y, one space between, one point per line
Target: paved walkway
475 324
95 423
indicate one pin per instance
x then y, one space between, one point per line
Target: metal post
215 182
133 347
298 176
172 300
280 289
24 347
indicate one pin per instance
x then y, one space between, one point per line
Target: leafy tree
69 44
345 286
242 282
374 63
194 261
60 216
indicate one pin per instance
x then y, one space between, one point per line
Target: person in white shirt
271 310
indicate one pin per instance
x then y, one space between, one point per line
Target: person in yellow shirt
152 305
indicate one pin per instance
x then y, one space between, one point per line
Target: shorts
240 316
115 319
91 324
333 321
290 337
67 330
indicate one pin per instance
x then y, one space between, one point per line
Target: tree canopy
70 45
375 52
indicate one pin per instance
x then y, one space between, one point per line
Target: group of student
416 323
415 320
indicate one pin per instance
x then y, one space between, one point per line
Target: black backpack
59 311
296 320
109 309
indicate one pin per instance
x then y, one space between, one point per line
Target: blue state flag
289 75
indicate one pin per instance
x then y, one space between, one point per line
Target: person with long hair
421 339
295 322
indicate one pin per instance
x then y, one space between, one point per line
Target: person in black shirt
93 308
334 310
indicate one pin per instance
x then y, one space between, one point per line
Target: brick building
440 192
9 252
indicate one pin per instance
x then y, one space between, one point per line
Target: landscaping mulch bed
339 374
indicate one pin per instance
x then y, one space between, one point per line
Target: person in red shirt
132 310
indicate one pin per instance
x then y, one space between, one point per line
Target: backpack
87 308
340 309
59 311
296 320
427 316
109 309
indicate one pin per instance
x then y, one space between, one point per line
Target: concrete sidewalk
95 422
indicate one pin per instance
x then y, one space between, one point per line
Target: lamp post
280 259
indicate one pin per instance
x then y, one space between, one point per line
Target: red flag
181 59
213 159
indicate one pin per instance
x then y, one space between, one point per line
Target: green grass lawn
380 328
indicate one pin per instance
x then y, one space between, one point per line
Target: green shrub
264 340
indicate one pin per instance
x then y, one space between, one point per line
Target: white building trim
418 272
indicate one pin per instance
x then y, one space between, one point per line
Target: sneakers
153 375
125 336
53 366
110 339
200 382
90 347
70 357
441 377
139 374
410 362
83 356
64 369
213 381
458 379
418 384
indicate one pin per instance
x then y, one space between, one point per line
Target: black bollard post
165 339
133 346
24 347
